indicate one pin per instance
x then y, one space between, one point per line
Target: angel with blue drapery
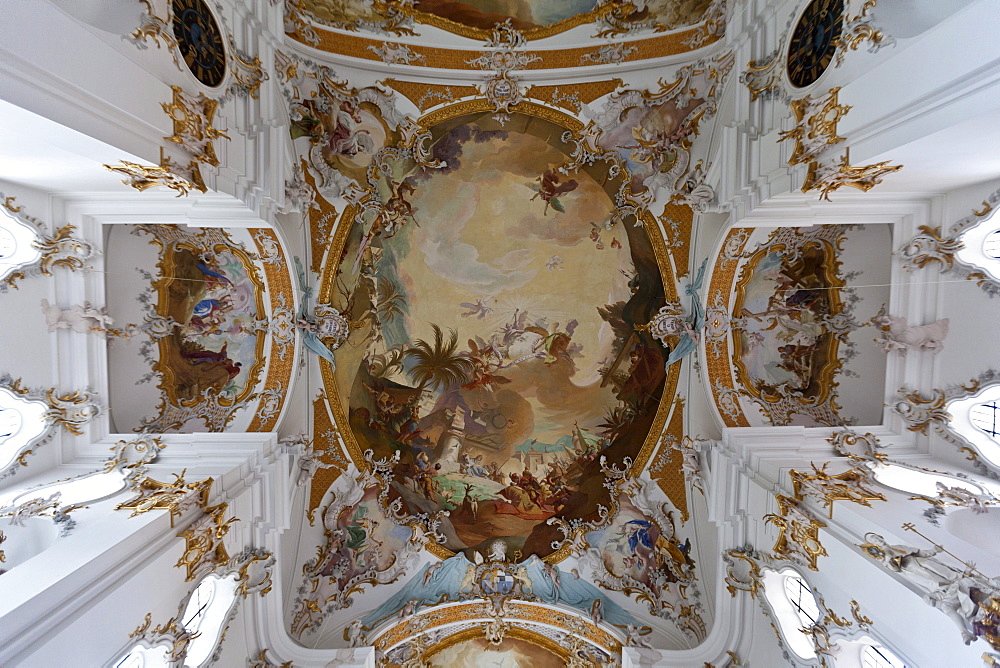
670 321
325 322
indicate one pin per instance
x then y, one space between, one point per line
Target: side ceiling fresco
791 309
207 346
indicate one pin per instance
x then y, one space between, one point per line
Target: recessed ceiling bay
497 302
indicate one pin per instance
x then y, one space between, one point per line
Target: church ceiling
497 287
492 409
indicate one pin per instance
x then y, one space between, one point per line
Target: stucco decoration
958 589
83 318
897 335
946 248
652 132
30 250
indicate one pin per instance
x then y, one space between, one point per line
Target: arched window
206 614
991 245
977 420
801 597
986 418
16 247
87 488
879 656
866 652
981 245
919 482
793 606
143 657
22 421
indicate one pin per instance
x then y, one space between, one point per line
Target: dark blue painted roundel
814 41
200 41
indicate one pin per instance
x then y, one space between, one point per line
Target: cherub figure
549 188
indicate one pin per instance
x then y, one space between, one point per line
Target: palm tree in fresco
438 364
390 301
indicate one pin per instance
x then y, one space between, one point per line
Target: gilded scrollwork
247 72
858 448
615 53
859 29
940 247
153 27
763 78
170 634
921 411
204 547
744 571
176 496
815 125
832 176
798 537
60 249
183 180
852 485
192 116
261 661
253 567
134 453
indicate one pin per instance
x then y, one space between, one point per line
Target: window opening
986 418
802 599
877 656
991 245
200 600
16 249
21 421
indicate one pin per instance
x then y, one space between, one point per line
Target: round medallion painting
497 342
813 43
200 41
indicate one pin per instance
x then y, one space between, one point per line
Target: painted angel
479 309
554 342
549 188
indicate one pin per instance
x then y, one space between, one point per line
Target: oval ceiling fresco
494 312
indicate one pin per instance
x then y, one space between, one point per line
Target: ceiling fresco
783 329
477 18
500 397
203 330
494 304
